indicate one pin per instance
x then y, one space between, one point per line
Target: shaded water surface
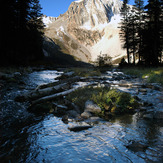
25 137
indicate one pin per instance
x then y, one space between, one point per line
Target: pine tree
153 47
132 26
8 26
23 29
124 30
139 13
36 26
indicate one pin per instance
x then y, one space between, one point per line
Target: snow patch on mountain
48 20
62 29
89 28
78 1
115 20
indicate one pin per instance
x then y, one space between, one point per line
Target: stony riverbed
27 137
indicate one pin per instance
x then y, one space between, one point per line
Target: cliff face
88 29
91 13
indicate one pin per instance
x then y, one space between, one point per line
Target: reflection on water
43 77
51 141
29 138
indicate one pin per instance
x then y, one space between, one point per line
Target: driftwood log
45 90
38 93
53 96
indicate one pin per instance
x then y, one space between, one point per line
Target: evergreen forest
22 29
142 32
21 32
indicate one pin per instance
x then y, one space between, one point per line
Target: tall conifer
124 34
139 13
21 31
153 28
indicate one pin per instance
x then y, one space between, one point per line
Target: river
25 137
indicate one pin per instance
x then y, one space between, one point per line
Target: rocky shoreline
149 95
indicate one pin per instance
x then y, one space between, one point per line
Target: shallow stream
25 137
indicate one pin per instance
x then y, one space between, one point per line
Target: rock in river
91 107
79 128
137 146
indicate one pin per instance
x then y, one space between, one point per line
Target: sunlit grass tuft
153 75
112 101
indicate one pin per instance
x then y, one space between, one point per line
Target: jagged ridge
88 29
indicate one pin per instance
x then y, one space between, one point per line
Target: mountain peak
89 28
91 13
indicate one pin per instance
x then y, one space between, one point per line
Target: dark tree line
21 31
142 31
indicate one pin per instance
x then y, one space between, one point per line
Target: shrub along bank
111 102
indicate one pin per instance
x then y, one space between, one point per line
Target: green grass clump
153 75
115 102
112 101
80 96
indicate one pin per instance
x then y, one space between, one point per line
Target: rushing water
25 137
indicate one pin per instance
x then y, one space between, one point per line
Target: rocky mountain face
88 28
48 20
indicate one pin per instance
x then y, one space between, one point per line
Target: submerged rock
137 146
79 128
93 120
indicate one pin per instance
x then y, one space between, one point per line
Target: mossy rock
116 102
110 101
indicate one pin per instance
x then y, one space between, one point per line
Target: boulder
65 119
86 115
91 107
72 114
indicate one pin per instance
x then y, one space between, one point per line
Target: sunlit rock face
48 20
92 13
88 28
